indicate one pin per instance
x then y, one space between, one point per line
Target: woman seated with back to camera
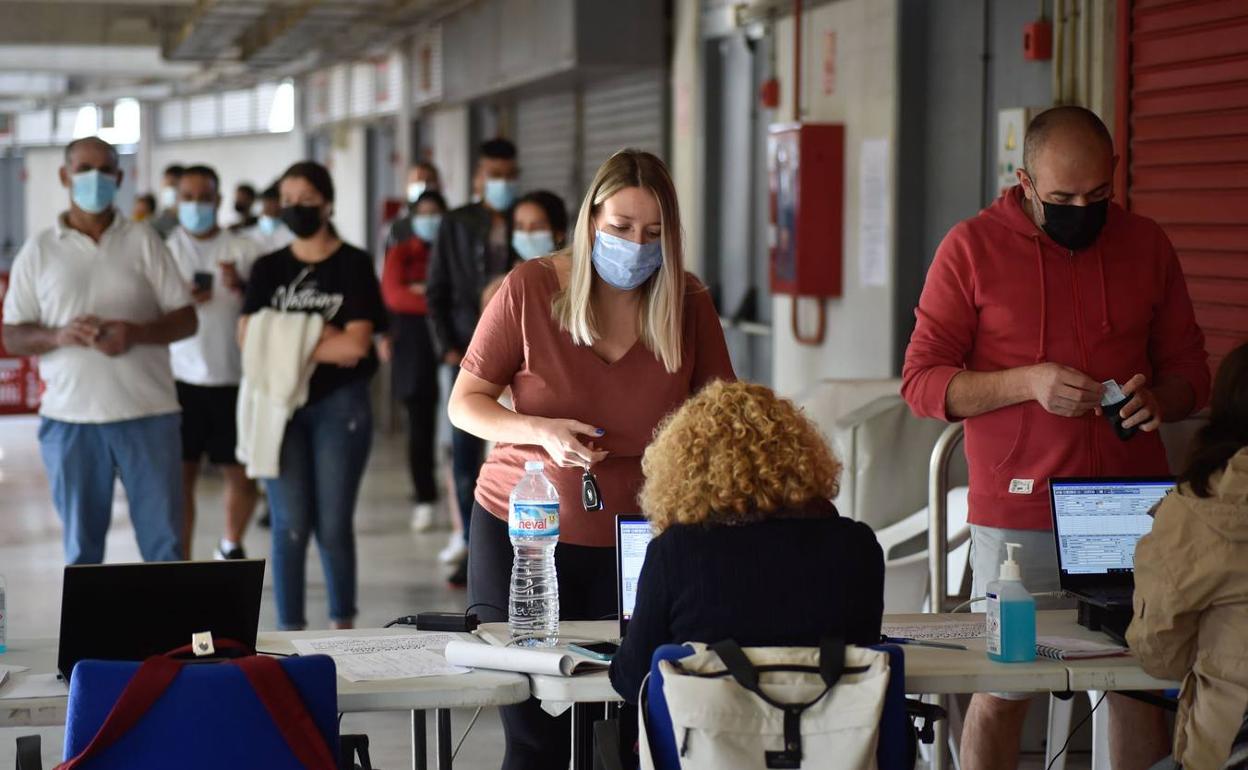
1191 584
748 545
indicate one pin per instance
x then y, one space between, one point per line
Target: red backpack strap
149 682
286 707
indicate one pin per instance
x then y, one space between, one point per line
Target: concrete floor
399 575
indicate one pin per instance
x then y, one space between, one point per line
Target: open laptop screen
1098 522
632 535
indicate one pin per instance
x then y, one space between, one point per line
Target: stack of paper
550 661
371 658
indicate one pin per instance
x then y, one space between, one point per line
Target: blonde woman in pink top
598 342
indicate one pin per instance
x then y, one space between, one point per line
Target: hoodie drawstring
1042 349
1106 326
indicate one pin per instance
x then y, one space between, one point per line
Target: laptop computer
1097 523
134 611
632 537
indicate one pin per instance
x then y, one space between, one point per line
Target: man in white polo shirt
99 300
208 367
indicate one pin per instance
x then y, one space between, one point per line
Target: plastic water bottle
1011 621
533 523
4 617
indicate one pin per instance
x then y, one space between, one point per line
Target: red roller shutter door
1185 120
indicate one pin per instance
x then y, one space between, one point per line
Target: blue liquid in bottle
1011 620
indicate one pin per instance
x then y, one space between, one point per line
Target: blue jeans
467 455
324 451
83 461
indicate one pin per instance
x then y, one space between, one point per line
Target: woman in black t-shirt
326 443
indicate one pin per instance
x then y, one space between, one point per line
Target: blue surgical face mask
267 224
625 264
198 218
426 226
93 191
500 193
533 244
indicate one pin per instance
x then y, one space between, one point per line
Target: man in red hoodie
1027 309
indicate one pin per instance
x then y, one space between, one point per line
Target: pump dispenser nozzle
1009 568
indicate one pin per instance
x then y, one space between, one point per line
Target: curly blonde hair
735 453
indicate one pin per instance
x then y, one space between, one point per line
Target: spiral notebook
1066 648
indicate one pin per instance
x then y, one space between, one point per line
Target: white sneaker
422 517
455 551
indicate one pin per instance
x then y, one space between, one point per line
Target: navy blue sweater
783 582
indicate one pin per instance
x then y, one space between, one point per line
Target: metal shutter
34 128
546 140
1188 149
238 110
339 88
362 89
623 111
171 119
203 116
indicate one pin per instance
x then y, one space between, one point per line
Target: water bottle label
992 624
534 520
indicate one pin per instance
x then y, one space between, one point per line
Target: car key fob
591 498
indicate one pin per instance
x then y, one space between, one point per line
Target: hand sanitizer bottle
1011 622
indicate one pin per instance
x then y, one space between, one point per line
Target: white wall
45 197
349 167
860 323
258 159
448 127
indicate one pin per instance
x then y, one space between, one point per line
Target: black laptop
1097 523
632 537
134 611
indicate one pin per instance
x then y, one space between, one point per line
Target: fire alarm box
806 165
1038 40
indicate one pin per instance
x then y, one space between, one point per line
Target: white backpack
773 707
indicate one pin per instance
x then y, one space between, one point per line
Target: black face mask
303 221
243 209
1075 227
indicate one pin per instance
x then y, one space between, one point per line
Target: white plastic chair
1060 714
906 577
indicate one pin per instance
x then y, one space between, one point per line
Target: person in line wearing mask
168 200
539 226
598 343
1191 610
144 207
269 231
327 440
207 368
1027 309
473 247
422 177
414 366
244 203
99 300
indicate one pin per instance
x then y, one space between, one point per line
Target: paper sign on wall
829 62
874 213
